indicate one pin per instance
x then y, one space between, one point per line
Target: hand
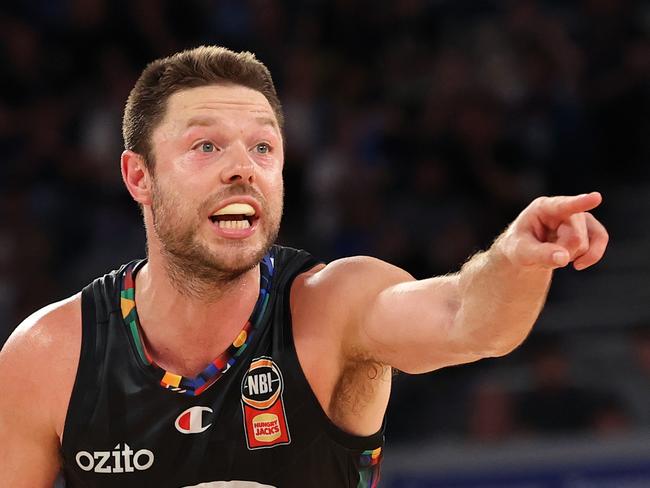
555 231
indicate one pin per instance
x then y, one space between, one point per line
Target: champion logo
191 421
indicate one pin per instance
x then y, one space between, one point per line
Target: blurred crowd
416 130
546 388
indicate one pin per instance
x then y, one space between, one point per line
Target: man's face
217 185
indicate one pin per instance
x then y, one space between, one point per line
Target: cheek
276 194
175 201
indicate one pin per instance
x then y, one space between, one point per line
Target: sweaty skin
218 144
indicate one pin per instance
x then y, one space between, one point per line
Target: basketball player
222 360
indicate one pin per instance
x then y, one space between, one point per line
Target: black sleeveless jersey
248 420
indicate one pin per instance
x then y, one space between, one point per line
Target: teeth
234 224
236 209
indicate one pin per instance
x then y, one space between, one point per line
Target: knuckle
541 200
574 240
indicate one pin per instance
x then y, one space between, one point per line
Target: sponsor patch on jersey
265 422
192 421
122 459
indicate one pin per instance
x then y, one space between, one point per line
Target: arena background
416 129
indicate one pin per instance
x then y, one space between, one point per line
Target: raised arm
485 310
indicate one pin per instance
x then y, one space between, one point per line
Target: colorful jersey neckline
220 365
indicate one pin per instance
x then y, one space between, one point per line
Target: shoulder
350 279
340 292
40 359
328 305
48 327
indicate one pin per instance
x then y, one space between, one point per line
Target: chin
237 257
239 260
209 260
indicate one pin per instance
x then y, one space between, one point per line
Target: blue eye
263 148
206 147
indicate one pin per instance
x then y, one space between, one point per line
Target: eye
206 147
263 148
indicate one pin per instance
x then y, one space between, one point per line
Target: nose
238 165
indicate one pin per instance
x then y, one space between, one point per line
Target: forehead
221 102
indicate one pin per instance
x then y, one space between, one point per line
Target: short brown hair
201 66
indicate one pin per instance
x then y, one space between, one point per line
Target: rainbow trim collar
219 366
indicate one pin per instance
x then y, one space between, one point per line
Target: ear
136 176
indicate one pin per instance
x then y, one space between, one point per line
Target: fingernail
560 258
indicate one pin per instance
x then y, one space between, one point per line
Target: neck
173 318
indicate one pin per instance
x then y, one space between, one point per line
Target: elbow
503 350
490 335
502 346
490 340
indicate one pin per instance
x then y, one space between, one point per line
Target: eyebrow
267 121
201 121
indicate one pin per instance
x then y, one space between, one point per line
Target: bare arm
35 370
488 308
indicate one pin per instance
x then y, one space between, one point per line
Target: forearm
499 301
489 306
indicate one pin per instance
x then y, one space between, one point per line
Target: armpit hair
357 386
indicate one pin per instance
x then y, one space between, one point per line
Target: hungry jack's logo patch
265 422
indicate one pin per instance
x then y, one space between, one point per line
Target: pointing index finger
560 207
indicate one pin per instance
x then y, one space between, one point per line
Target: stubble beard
193 268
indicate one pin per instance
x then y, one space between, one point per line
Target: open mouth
236 216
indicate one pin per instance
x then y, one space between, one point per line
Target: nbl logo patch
265 422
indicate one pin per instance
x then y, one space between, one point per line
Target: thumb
546 254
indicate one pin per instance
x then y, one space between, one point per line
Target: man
223 360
